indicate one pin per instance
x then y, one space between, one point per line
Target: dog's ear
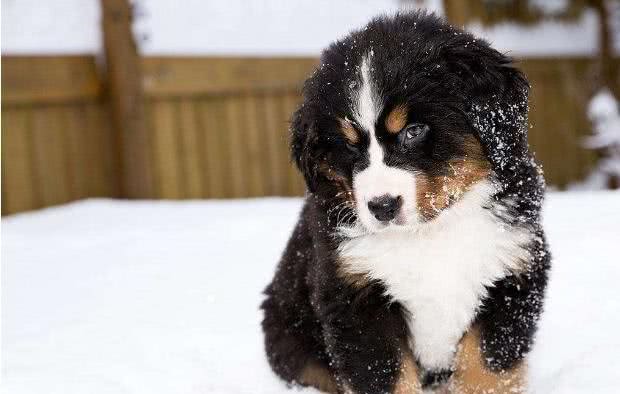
500 114
304 142
497 95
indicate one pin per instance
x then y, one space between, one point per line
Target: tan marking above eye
349 131
396 119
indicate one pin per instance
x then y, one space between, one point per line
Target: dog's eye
413 133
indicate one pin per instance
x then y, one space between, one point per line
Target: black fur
460 86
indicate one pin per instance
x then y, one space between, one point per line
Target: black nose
386 207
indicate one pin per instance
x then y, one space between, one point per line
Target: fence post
609 73
125 92
456 11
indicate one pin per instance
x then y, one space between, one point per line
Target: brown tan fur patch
319 377
435 194
471 376
409 381
355 280
396 119
349 132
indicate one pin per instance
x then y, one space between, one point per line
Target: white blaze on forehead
378 178
368 103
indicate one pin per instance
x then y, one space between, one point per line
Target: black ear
304 142
497 96
499 115
499 112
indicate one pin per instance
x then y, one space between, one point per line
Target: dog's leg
409 379
316 375
367 343
472 375
492 354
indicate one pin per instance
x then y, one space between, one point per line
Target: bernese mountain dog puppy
418 261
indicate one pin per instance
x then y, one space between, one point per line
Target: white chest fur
440 270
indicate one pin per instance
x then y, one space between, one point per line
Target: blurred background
189 100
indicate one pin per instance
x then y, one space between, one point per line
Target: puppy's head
392 120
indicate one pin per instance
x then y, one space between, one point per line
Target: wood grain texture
191 154
123 73
19 180
165 155
216 127
191 76
29 80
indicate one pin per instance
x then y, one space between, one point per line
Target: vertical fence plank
255 146
239 167
18 178
105 179
222 144
78 156
165 150
49 155
210 111
265 163
272 128
201 138
190 141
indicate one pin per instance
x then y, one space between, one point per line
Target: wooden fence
217 127
57 143
220 126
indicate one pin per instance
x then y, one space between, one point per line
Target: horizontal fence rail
217 127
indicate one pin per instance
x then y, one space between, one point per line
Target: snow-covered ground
106 296
264 28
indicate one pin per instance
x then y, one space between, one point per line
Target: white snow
261 28
50 27
550 6
273 27
193 27
604 114
105 296
551 38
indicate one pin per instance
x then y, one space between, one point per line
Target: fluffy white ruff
439 270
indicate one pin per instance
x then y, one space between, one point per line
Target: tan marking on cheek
430 200
349 131
341 182
317 376
408 381
396 119
471 375
435 194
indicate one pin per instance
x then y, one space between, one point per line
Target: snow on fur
604 113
